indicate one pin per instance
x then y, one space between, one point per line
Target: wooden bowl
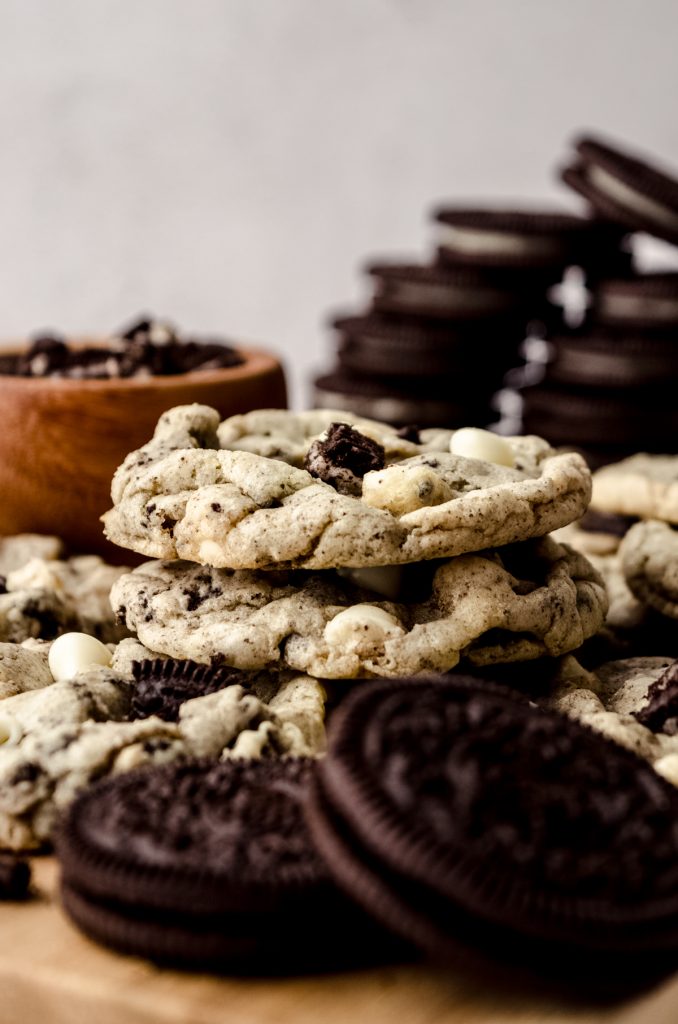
61 440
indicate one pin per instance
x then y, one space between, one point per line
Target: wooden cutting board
50 974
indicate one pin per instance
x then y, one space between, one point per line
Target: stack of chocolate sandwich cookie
438 337
336 547
211 864
607 387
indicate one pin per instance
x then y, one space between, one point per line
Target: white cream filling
639 305
412 294
631 199
478 242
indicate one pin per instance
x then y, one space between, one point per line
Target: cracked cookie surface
511 604
217 495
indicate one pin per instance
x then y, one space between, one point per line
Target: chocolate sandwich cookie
426 401
209 863
462 816
649 303
614 419
625 189
528 239
162 685
455 293
604 359
411 347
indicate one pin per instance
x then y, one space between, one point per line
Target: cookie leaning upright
234 495
625 189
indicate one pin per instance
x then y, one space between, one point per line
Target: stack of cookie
608 385
323 544
437 339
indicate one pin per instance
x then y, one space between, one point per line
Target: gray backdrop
232 163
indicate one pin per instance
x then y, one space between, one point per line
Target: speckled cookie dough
608 701
20 548
55 740
541 597
42 599
184 496
649 557
23 667
643 485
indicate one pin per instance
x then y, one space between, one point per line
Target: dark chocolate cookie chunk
460 815
146 348
530 239
625 189
47 355
660 713
648 302
343 456
207 863
162 686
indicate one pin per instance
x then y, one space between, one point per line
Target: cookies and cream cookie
644 486
649 557
184 495
55 740
614 701
509 604
46 597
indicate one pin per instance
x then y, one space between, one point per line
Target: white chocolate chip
361 622
210 552
73 652
10 731
668 767
383 579
403 489
474 443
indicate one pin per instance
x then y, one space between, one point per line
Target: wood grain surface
62 439
50 974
